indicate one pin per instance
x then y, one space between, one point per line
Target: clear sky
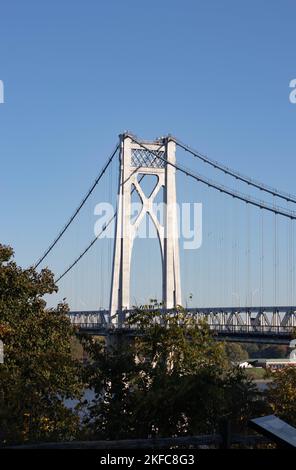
77 73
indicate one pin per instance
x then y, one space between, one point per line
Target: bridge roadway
269 325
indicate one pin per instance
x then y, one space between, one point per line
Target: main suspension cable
224 189
87 248
76 212
93 240
219 166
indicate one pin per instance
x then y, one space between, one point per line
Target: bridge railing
277 321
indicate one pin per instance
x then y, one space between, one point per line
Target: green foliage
173 379
265 351
257 373
110 374
282 394
235 352
38 372
77 349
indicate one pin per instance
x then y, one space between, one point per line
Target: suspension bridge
242 255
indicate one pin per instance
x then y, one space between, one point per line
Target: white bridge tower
146 158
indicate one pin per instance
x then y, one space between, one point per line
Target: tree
235 352
281 394
172 379
265 351
110 374
38 373
273 352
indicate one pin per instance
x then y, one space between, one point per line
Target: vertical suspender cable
293 261
248 265
275 256
262 258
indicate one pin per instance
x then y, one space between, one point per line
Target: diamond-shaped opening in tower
158 205
147 183
136 204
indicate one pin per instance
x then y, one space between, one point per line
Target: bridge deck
273 325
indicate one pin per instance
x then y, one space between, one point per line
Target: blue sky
76 74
